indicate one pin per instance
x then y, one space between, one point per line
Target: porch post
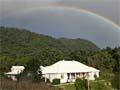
83 75
75 75
70 77
45 78
88 82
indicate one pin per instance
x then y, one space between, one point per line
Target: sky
88 19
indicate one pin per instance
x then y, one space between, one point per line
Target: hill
16 41
19 46
78 44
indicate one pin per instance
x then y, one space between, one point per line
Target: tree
80 84
102 60
81 55
32 71
116 56
107 62
94 61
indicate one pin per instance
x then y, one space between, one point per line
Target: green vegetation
70 87
31 72
22 47
18 46
80 84
94 85
78 44
115 81
55 81
100 85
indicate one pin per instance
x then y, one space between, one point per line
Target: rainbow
77 10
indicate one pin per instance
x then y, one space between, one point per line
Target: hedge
56 81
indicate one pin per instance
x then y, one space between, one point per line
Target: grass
64 87
96 85
101 84
69 87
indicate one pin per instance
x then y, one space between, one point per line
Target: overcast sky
61 22
107 8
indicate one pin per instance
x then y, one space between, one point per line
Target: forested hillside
19 46
77 44
17 42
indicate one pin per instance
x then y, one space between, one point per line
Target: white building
68 71
15 70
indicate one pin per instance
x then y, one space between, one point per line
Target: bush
115 81
80 84
99 86
56 81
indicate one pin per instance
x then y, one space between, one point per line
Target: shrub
115 81
99 86
80 84
56 81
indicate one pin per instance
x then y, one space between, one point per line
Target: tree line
20 47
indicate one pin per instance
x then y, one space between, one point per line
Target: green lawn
65 87
69 87
96 86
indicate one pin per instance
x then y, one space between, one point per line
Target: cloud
67 22
27 14
106 8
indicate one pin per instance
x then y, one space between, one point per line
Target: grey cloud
62 23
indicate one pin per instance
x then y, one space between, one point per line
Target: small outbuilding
15 70
68 71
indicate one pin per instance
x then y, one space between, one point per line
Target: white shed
68 71
15 70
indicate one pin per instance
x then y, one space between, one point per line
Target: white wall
91 75
64 77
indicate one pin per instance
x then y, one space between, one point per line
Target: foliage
55 81
21 42
19 46
102 60
116 81
81 55
80 84
32 72
69 87
78 44
99 86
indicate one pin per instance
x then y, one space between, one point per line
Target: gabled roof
94 69
18 67
67 67
13 73
16 70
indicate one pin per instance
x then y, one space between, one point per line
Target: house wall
17 69
64 78
92 75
